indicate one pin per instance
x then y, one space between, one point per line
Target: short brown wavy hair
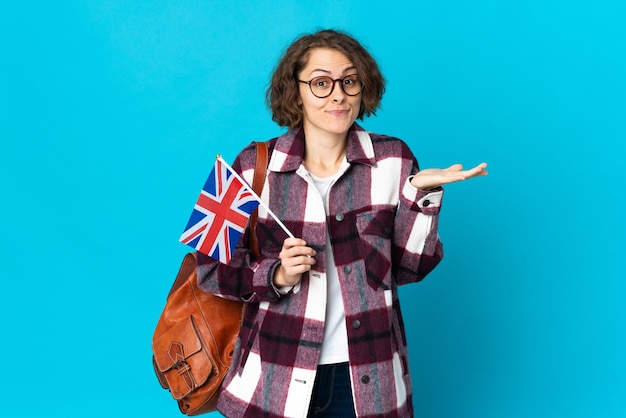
283 92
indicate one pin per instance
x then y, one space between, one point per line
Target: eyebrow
328 72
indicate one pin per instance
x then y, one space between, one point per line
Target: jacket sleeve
417 248
245 277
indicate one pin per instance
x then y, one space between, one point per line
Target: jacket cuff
263 283
426 201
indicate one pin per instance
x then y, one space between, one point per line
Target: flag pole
269 211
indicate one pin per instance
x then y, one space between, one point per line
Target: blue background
111 113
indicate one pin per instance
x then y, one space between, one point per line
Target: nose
338 94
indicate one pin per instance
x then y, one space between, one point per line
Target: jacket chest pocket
375 230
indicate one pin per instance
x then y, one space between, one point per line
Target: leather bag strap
260 172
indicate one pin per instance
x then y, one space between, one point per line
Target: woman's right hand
295 259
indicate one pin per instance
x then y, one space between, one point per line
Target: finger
301 261
455 167
293 242
479 170
480 167
293 273
305 259
296 252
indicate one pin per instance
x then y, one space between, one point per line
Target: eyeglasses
323 86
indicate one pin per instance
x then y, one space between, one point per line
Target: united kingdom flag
220 214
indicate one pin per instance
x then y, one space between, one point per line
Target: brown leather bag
195 336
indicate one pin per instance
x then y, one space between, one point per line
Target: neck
323 157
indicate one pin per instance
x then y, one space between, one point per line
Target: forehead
326 60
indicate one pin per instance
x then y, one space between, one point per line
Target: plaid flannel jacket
383 233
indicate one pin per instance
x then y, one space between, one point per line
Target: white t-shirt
335 344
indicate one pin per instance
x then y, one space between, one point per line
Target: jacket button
365 379
270 295
339 217
347 269
356 324
426 203
268 244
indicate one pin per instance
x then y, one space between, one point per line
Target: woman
323 333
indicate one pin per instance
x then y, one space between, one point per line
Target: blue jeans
332 393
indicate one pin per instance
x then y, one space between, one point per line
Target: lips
338 112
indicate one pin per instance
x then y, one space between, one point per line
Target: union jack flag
220 214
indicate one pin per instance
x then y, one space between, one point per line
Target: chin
340 127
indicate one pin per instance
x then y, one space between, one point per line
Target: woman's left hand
431 178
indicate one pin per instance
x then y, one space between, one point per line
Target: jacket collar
288 152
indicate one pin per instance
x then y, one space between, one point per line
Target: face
331 116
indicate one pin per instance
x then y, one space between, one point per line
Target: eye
321 82
351 80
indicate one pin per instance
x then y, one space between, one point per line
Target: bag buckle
177 355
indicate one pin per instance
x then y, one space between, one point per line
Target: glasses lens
321 86
351 85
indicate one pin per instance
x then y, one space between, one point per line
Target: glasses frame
333 86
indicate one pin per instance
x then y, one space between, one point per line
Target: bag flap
180 357
176 344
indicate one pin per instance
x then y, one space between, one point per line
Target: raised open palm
434 177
